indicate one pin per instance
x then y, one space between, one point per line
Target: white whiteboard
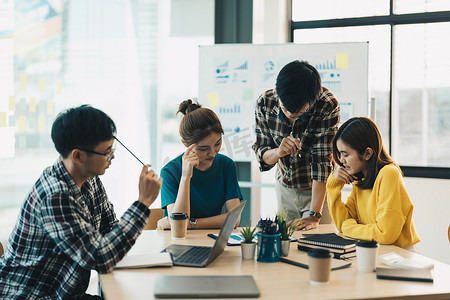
232 76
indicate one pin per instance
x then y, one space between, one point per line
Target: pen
292 135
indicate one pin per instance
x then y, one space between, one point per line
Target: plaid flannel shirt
62 233
315 128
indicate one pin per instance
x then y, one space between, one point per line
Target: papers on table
145 261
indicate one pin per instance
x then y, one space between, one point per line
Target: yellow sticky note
3 119
213 99
58 87
22 123
41 84
12 103
32 104
341 60
41 123
50 107
23 82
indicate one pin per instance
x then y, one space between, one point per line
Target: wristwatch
192 222
315 214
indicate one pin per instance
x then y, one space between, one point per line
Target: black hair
298 84
198 122
81 127
360 133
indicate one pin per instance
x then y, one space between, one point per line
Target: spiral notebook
327 240
403 274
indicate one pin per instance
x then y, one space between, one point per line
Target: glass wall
123 57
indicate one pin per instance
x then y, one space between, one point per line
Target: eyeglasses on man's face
109 155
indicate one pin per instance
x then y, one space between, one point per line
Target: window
410 90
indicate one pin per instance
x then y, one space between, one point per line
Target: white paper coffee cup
366 255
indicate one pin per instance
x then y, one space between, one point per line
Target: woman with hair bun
200 181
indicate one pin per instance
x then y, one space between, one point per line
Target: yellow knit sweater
383 213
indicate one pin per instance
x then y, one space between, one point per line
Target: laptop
239 286
200 256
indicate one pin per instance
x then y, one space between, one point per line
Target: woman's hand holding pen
190 160
289 146
341 174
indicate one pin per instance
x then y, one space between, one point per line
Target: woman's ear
184 143
368 153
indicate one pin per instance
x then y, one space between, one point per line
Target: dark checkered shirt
315 128
62 233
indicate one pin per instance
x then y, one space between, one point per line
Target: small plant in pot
248 246
286 231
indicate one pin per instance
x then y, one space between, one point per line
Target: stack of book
339 246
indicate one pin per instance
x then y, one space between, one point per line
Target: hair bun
188 106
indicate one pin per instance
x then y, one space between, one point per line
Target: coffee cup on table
366 255
178 225
319 266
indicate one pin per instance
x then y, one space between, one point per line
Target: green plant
248 233
285 230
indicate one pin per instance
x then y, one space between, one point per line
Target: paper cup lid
367 244
179 216
319 253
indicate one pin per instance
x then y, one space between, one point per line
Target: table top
275 280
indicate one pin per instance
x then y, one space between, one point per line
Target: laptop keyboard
195 255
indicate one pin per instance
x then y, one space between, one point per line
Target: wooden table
275 280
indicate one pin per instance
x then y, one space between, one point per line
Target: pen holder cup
269 248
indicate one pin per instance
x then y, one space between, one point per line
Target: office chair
1 250
152 221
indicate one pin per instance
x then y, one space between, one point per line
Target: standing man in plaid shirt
67 226
295 124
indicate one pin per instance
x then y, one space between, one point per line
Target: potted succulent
248 246
286 232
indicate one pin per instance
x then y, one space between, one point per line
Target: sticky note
22 123
2 118
49 107
58 87
41 84
247 94
213 99
341 60
12 103
41 123
32 104
23 82
22 105
12 121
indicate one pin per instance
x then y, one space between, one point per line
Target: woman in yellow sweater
378 207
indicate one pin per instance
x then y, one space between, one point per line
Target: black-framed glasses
111 153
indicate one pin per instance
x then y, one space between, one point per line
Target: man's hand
341 174
307 223
288 146
164 223
149 186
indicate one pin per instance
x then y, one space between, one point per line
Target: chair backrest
1 249
155 215
449 233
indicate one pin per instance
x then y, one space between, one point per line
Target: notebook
206 287
328 240
200 256
145 261
302 260
402 274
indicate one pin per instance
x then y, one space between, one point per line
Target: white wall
431 216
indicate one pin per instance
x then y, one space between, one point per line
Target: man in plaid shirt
67 226
295 124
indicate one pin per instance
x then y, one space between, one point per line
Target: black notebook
302 260
402 274
328 240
